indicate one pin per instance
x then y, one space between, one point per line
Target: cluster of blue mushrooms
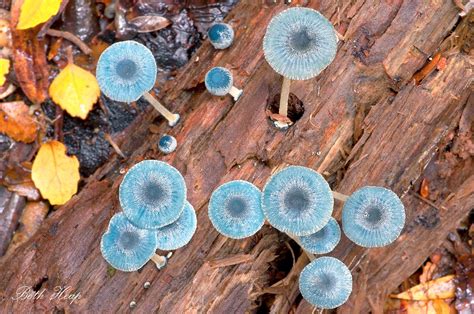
298 201
126 71
299 43
156 215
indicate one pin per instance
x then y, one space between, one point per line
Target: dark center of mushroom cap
236 206
301 40
373 215
129 240
126 68
296 200
219 78
215 32
165 141
325 283
154 193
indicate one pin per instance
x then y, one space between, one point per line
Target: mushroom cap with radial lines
373 216
324 240
326 283
221 35
126 247
297 200
167 144
235 209
152 194
180 232
126 70
218 81
299 43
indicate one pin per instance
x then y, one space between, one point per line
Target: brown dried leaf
427 69
149 23
31 219
424 189
16 121
29 58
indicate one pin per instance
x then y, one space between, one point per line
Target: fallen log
364 123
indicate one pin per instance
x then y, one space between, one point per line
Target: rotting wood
220 141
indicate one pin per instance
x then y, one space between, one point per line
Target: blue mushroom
299 43
326 283
373 216
126 71
221 35
180 232
152 194
324 240
219 82
167 144
126 247
235 209
297 200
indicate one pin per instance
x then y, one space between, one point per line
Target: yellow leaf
4 69
75 90
54 173
441 288
35 12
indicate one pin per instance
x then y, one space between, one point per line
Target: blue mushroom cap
235 209
180 232
126 247
373 216
126 70
326 283
297 200
324 240
167 144
218 81
152 194
221 35
299 43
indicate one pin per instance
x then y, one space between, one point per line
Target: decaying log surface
365 123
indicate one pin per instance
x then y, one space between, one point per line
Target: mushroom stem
235 92
285 93
172 118
339 196
311 257
161 261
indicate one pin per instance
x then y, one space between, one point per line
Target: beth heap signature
60 293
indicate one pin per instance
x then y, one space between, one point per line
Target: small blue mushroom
126 247
235 209
152 194
373 217
219 82
126 71
180 232
297 200
299 43
324 240
167 144
326 283
221 35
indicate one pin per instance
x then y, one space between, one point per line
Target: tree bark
365 123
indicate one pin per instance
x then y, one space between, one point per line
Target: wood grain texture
364 123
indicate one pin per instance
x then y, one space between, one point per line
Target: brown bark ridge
365 123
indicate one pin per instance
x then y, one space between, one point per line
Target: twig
72 38
114 145
427 201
